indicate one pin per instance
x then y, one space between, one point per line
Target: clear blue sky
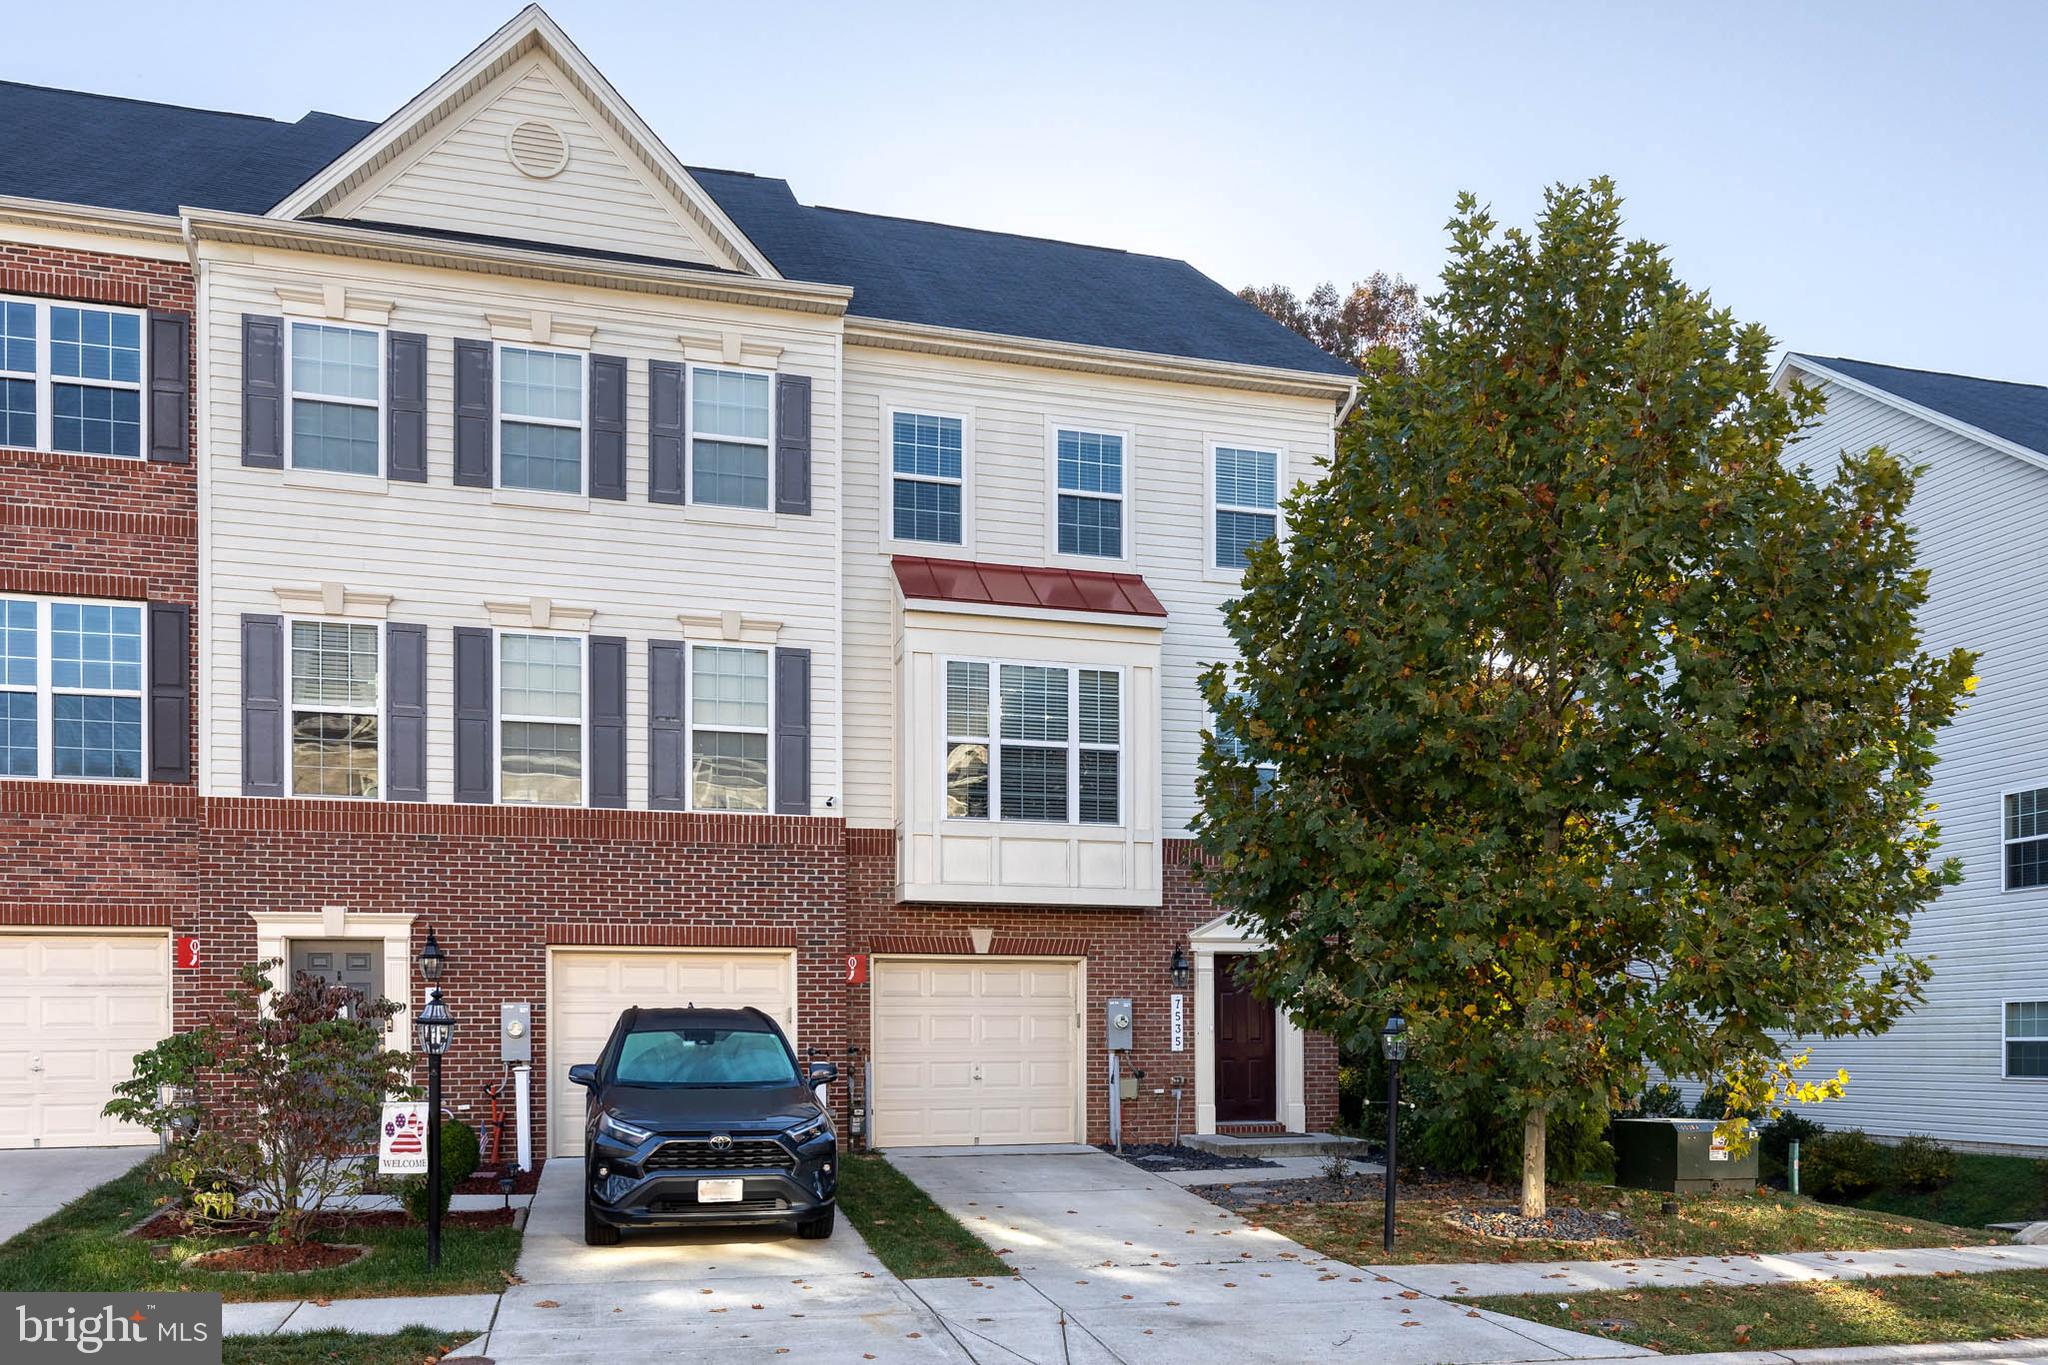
1867 179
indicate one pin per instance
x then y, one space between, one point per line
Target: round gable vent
538 149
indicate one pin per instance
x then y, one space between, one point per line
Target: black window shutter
170 388
792 732
607 720
793 443
262 391
263 706
667 665
473 414
608 426
474 784
170 692
405 407
405 712
667 431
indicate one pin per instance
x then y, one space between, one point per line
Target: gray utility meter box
1680 1156
515 1032
1116 1025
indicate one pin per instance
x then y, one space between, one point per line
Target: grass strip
914 1237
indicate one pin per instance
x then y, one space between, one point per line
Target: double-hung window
729 425
71 378
1089 504
337 396
2026 839
925 460
540 420
2026 1039
1040 742
335 704
540 719
71 688
1247 492
729 706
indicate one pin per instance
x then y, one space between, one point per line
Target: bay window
336 703
729 706
540 725
1033 742
71 689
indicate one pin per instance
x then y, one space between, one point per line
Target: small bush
460 1153
1843 1166
1662 1100
1774 1142
1920 1164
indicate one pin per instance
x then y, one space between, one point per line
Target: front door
354 962
1245 1045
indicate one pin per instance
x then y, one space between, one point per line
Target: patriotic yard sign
402 1140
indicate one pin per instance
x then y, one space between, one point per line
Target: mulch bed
486 1181
172 1223
1165 1156
1354 1189
266 1258
1559 1225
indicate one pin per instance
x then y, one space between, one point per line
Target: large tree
1602 736
1380 312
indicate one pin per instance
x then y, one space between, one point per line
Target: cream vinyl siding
462 178
442 552
1982 519
74 1011
1168 505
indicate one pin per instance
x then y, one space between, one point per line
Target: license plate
721 1191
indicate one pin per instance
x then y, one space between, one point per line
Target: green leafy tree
1602 736
1380 313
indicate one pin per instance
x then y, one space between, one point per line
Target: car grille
745 1154
730 1206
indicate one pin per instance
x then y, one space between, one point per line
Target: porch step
1274 1144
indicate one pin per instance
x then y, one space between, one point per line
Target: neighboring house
665 591
1970 1065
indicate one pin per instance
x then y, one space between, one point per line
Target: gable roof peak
1999 412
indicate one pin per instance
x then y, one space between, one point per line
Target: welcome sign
402 1140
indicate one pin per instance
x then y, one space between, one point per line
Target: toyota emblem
721 1140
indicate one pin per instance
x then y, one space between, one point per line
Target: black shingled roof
2017 412
116 153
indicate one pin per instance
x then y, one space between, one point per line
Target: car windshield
703 1056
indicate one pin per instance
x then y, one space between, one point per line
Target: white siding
442 552
1982 521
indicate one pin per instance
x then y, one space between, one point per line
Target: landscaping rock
1165 1156
2033 1235
1559 1225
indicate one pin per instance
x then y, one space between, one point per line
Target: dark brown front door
1244 1050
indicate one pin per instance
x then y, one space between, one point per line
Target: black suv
702 1116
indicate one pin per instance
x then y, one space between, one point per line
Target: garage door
970 1051
590 990
74 1011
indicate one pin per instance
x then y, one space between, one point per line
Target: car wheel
597 1232
819 1228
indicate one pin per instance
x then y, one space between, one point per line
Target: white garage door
74 1011
590 990
971 1051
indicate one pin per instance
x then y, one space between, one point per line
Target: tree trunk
1534 1203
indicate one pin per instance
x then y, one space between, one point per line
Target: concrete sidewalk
1798 1267
442 1312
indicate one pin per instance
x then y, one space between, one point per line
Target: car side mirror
823 1073
583 1073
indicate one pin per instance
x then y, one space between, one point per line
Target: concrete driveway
36 1182
1116 1264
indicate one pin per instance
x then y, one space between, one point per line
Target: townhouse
662 590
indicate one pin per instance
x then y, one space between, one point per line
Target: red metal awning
1018 585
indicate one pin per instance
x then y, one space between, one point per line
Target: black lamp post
436 1027
1394 1047
432 959
1179 969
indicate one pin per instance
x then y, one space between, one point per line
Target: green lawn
1987 1189
413 1346
86 1247
1888 1312
914 1237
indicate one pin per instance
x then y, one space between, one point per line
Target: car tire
597 1232
818 1228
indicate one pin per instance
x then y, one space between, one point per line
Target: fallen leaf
545 1303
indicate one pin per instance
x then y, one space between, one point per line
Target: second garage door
976 1052
74 1011
589 990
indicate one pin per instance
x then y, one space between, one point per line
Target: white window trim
937 549
45 381
46 690
1074 744
1210 568
581 426
2005 1053
2004 873
293 395
499 717
377 710
691 434
1127 500
690 728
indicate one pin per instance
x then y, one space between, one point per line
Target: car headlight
804 1132
614 1127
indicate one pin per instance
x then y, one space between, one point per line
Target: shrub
1843 1165
1774 1142
1920 1164
1662 1100
460 1153
1479 1135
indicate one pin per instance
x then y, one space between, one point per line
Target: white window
336 708
540 719
926 464
1088 510
71 378
2026 1040
71 689
337 383
729 708
1044 742
540 419
729 435
2026 839
1247 492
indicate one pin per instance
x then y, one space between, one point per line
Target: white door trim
1290 1050
275 930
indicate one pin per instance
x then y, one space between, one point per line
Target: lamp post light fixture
432 960
1179 969
1394 1047
436 1027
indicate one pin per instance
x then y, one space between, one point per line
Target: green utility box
1678 1155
